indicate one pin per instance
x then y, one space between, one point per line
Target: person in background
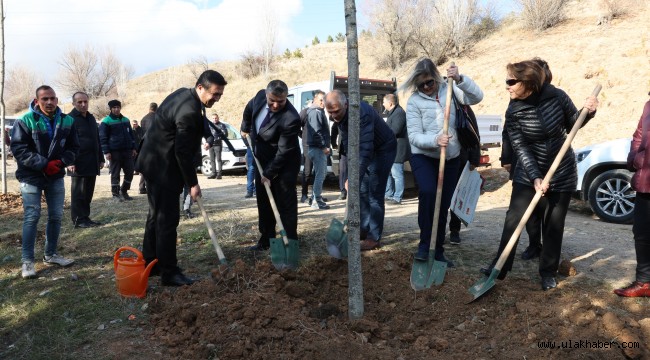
43 142
118 145
214 146
166 160
274 126
424 121
250 174
638 161
88 162
397 122
538 119
377 148
307 168
144 124
318 142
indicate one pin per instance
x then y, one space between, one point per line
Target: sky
150 35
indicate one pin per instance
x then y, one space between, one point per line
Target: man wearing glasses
166 160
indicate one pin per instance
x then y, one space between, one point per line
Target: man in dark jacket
43 142
274 125
166 160
397 122
144 124
318 143
87 164
118 145
213 144
377 148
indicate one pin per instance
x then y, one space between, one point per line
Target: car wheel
611 196
206 166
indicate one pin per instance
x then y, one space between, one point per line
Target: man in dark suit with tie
166 160
274 125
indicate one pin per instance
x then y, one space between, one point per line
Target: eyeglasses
512 82
428 84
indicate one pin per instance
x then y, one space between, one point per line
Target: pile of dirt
259 313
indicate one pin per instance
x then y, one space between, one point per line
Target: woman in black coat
538 119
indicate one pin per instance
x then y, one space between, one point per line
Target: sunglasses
511 82
429 84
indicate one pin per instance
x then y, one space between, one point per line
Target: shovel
223 267
481 287
426 273
284 251
337 237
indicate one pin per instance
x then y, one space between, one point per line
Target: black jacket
397 122
214 139
276 145
537 127
90 153
170 145
146 121
318 130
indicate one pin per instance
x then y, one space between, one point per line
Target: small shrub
612 9
315 41
287 54
251 65
341 38
542 14
297 53
330 38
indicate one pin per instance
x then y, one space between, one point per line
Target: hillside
580 53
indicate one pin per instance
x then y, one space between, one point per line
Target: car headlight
582 155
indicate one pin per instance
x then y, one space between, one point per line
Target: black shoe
344 195
324 198
531 252
303 198
258 247
95 223
118 198
421 255
83 225
126 196
450 264
311 199
212 176
487 271
454 237
218 176
175 279
143 191
188 214
248 195
548 282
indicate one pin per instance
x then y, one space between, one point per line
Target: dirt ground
256 312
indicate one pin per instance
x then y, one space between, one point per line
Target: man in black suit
166 160
274 125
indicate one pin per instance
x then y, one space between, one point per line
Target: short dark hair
277 88
318 92
210 77
531 75
79 93
43 87
153 107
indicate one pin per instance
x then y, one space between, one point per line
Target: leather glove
53 167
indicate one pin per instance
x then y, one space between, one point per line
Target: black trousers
641 231
81 192
552 208
283 188
160 229
307 170
215 159
343 171
121 160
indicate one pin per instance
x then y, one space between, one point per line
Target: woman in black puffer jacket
538 119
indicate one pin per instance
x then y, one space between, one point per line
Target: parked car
605 182
9 124
230 160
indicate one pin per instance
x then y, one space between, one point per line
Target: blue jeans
373 186
250 175
395 183
319 164
54 196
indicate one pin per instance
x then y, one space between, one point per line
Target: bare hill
580 53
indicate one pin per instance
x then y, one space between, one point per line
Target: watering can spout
145 275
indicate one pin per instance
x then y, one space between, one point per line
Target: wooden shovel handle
213 236
441 166
547 179
276 213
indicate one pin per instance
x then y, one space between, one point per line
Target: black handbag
466 125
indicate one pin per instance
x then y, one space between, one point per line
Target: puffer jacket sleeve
468 92
571 113
22 147
415 128
523 152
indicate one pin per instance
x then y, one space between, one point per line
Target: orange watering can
131 276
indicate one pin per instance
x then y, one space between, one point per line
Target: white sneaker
56 259
28 270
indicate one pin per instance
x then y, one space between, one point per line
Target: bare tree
198 65
94 72
429 35
355 278
456 18
2 101
269 33
19 88
542 14
391 19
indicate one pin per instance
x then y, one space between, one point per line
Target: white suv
230 160
604 181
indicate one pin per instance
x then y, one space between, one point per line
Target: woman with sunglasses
424 121
538 119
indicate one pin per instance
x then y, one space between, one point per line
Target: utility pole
355 278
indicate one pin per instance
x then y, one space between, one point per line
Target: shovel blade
484 285
284 257
426 273
337 240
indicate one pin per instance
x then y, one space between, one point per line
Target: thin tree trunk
2 99
355 290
